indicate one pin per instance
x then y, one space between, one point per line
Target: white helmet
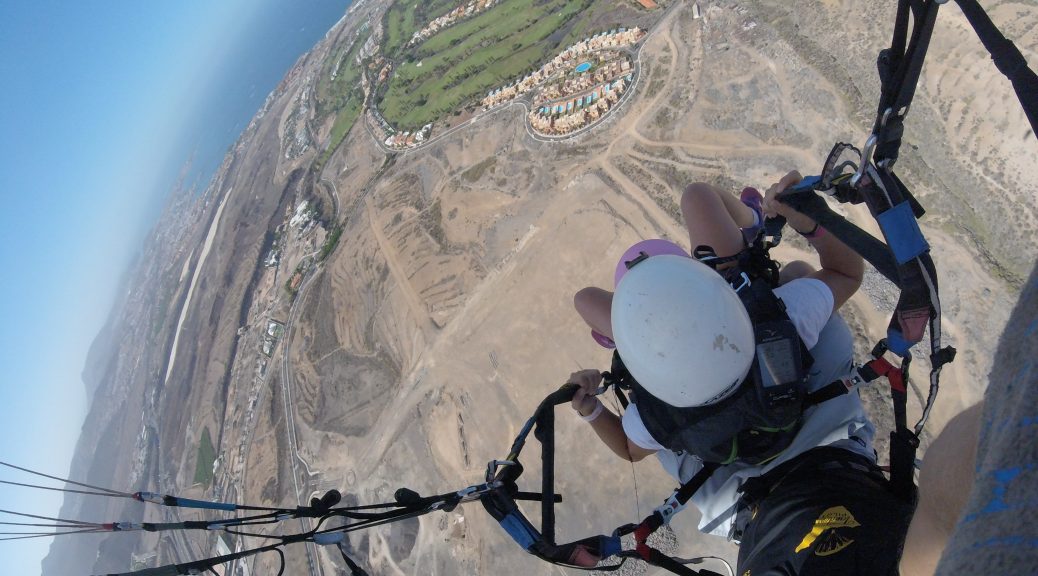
682 331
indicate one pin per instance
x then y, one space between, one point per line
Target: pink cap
653 247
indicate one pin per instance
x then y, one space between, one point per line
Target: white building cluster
568 116
448 19
611 65
564 62
409 139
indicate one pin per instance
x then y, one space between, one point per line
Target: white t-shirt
840 422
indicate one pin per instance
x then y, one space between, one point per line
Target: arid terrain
425 297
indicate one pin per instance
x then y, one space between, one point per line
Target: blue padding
897 343
188 503
520 530
902 232
808 183
611 546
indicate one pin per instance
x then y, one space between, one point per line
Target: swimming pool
583 67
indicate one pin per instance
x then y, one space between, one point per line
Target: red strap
642 533
883 368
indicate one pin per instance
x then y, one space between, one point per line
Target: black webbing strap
545 433
899 69
668 563
500 503
586 553
661 516
905 260
619 378
873 250
900 66
1007 58
903 441
355 569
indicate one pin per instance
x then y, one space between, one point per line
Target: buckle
669 508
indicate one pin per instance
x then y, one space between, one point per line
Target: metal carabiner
493 465
866 156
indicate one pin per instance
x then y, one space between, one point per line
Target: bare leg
945 483
713 218
595 306
795 269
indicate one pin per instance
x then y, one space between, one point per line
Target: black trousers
828 513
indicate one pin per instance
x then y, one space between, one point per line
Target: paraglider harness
849 176
761 417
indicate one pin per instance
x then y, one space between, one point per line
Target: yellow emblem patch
831 519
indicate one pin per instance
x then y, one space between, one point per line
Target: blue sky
100 104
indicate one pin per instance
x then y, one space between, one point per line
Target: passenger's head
682 331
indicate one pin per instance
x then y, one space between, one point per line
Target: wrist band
815 232
594 413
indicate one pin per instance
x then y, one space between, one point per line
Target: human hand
587 381
773 207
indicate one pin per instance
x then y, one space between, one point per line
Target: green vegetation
344 121
341 96
206 457
330 242
405 18
473 174
400 27
464 61
431 219
162 305
289 289
300 272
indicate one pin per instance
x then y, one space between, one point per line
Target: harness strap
663 514
903 441
355 569
619 378
899 69
1007 57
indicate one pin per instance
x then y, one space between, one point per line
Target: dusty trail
414 300
389 428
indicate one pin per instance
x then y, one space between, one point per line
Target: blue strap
520 530
610 546
808 183
897 343
902 232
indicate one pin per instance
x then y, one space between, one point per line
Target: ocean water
280 32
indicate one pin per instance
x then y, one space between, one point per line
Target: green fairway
341 96
461 63
206 457
406 17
